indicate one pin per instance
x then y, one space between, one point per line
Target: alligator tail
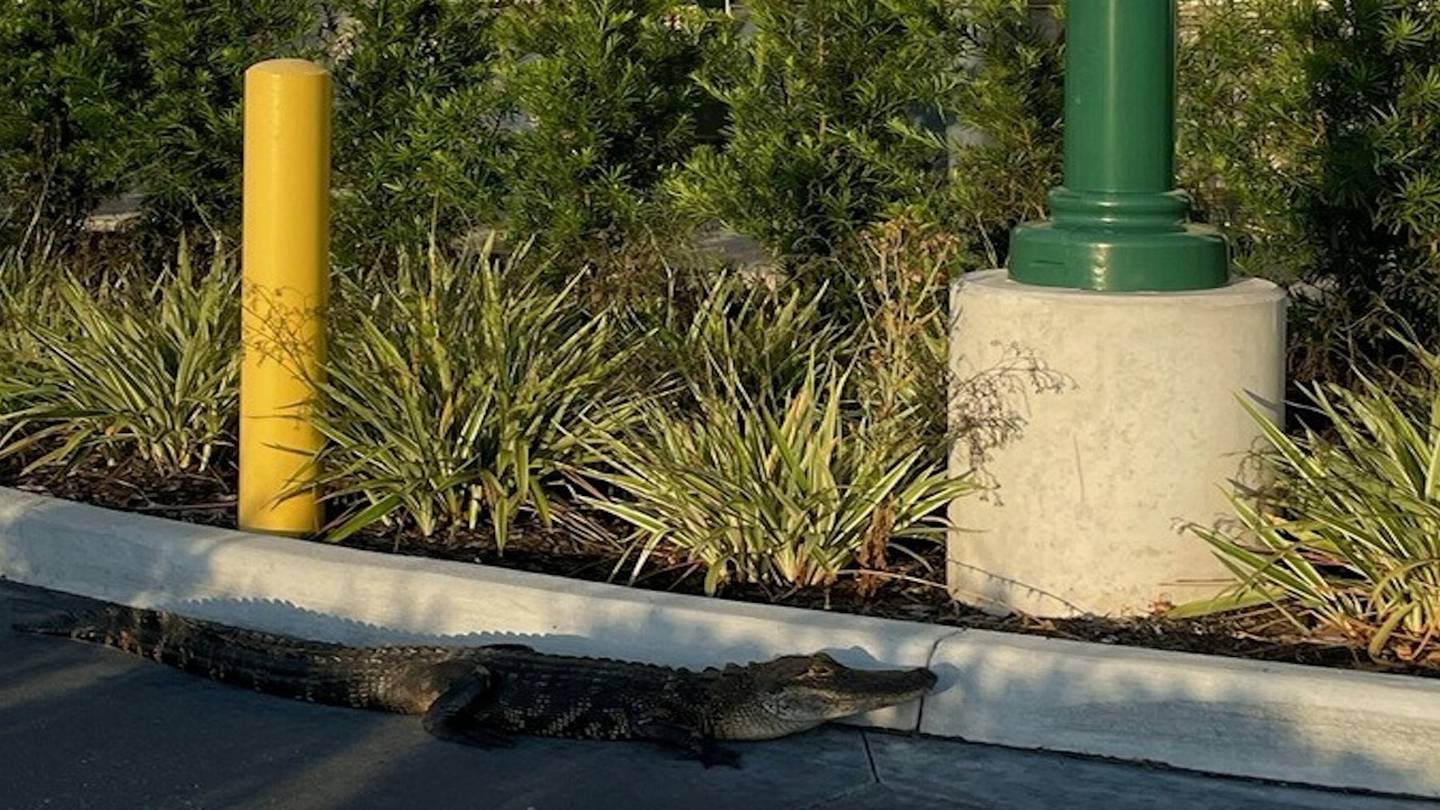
88 625
54 624
278 664
135 630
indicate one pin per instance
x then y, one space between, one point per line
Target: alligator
486 695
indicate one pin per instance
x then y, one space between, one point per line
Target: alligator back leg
460 713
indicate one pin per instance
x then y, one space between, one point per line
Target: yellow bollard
285 260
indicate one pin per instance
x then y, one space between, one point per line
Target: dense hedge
99 97
418 121
615 127
1311 133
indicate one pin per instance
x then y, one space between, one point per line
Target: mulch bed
910 589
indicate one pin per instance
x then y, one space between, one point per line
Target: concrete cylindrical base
1141 431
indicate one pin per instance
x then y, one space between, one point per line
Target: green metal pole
1118 223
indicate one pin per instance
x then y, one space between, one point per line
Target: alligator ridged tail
282 665
152 633
55 624
138 630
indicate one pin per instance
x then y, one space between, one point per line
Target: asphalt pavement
89 727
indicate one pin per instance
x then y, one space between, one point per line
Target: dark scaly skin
483 695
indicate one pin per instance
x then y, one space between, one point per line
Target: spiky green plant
151 373
27 298
787 497
744 335
456 388
1352 537
27 289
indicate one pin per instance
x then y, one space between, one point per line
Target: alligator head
789 694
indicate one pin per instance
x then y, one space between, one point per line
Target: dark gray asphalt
87 727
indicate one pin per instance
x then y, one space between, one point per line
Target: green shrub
71 74
101 97
1311 133
1005 145
1351 537
150 373
605 88
824 99
786 500
418 120
1245 117
456 389
183 144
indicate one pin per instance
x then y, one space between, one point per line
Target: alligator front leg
459 713
690 743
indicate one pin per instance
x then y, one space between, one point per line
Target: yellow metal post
285 259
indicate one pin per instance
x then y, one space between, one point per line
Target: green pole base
1119 242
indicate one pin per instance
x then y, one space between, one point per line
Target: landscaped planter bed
909 591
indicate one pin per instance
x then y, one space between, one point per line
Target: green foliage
28 291
1246 125
745 336
1005 153
1352 537
605 88
903 338
418 123
29 297
453 389
152 373
787 500
70 75
1311 132
182 146
101 97
824 100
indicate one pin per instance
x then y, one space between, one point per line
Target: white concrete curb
1288 722
1275 721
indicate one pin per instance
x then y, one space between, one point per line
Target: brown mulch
908 590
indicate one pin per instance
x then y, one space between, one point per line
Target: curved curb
1272 721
